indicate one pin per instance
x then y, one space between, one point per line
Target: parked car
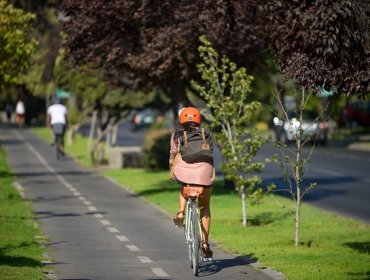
356 113
314 130
143 118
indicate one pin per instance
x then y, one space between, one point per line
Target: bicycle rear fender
192 191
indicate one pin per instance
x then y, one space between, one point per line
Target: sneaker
207 253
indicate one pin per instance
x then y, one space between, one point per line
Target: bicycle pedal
207 259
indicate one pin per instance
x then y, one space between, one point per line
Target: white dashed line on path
105 222
113 230
98 216
133 248
92 208
159 272
86 202
122 238
144 259
82 198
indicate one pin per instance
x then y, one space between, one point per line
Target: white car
313 130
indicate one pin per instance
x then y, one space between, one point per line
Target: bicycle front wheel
195 229
189 233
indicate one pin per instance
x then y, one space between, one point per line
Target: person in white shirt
57 120
20 110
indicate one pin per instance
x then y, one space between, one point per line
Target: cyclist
199 174
57 120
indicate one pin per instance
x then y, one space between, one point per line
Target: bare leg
205 212
182 202
180 215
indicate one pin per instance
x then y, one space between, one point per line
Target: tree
294 163
227 90
94 96
16 45
39 80
322 43
146 43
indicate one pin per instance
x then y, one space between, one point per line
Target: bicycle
58 130
192 228
58 145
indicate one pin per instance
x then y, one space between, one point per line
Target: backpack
196 145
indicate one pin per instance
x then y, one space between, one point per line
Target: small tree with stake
294 163
226 90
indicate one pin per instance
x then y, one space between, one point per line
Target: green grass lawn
20 253
332 247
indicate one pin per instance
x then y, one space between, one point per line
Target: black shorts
59 129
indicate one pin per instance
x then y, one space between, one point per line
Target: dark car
314 130
356 113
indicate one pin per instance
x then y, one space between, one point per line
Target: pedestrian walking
20 110
9 111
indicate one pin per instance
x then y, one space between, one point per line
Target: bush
157 148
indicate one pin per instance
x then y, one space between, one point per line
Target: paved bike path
98 230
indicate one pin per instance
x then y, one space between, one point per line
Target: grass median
20 251
332 247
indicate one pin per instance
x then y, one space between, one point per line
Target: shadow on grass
361 247
266 218
5 174
209 268
18 261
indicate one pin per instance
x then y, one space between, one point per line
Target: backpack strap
203 137
185 139
205 145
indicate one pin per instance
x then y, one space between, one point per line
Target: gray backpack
196 146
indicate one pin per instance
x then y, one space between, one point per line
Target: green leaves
227 89
16 45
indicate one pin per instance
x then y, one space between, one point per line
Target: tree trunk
92 130
244 207
114 134
297 217
298 179
108 139
100 145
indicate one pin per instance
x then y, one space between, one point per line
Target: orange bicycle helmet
190 114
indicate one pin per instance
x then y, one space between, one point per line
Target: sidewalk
100 231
